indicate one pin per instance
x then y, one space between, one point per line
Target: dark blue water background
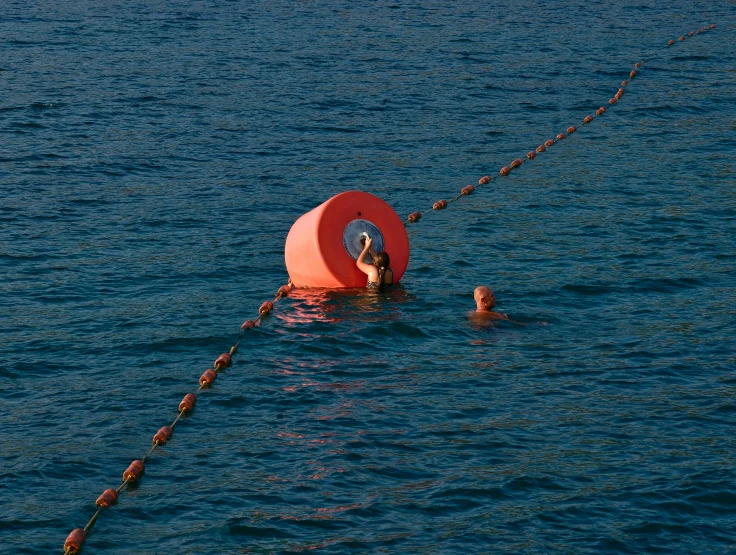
153 158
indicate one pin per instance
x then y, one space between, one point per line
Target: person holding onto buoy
379 273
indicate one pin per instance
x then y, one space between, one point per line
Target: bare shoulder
489 315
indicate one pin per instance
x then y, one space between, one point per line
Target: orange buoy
531 155
516 163
541 148
505 170
637 65
612 100
467 190
712 26
134 471
561 136
165 433
439 205
681 38
74 541
571 129
265 309
225 359
283 291
620 92
588 119
599 111
632 74
413 217
691 33
624 83
188 402
207 378
549 143
323 245
670 42
484 180
107 498
248 324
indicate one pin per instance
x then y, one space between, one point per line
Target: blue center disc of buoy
353 234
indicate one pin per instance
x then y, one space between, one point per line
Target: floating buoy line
135 471
532 154
109 497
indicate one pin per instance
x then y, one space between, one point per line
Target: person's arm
504 317
362 265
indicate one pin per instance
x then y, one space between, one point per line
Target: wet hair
381 261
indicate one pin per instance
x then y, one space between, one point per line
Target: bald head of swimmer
485 300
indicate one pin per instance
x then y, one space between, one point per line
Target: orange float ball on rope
588 119
670 42
505 170
164 434
484 180
323 244
541 148
226 359
467 190
561 136
107 499
531 155
549 143
74 542
516 163
134 471
600 111
188 402
207 378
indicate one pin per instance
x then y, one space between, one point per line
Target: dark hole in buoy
359 214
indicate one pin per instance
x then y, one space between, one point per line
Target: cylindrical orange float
323 245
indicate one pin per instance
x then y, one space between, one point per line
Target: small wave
589 289
45 105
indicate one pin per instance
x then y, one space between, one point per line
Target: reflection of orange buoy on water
323 244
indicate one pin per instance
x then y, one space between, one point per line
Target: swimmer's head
485 300
381 260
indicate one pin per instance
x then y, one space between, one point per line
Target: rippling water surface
154 156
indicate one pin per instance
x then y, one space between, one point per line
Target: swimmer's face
489 300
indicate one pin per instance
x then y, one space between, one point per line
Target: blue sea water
153 158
